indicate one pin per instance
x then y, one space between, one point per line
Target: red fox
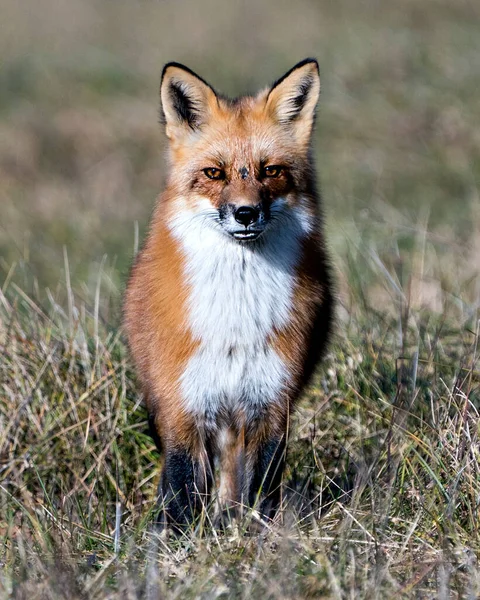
229 303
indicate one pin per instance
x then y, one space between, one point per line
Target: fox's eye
214 173
272 171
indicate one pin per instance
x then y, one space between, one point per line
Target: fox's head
241 164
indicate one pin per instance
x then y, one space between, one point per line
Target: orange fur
159 338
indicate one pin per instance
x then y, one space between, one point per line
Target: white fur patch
240 293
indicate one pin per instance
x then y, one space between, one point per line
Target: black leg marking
184 488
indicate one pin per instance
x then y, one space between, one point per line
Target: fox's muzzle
244 222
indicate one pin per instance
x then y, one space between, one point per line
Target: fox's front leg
186 478
184 487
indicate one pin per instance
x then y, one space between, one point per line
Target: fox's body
228 306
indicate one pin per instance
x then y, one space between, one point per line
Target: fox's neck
244 288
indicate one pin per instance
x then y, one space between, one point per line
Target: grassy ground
382 487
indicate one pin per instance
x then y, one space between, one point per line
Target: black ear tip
180 67
302 63
307 61
175 65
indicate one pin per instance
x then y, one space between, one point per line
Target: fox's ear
292 99
186 100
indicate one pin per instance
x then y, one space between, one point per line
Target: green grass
382 486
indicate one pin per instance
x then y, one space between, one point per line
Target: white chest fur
240 293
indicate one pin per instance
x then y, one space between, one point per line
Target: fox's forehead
228 150
241 134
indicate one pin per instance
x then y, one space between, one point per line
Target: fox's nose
246 215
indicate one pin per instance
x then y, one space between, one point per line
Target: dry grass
381 488
382 485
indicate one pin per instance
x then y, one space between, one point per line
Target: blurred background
397 139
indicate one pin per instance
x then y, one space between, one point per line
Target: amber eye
214 173
272 171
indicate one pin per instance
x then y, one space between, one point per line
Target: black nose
246 215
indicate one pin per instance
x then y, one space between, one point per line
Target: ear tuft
186 99
299 101
293 98
183 104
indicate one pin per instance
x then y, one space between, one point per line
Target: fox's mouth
247 236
